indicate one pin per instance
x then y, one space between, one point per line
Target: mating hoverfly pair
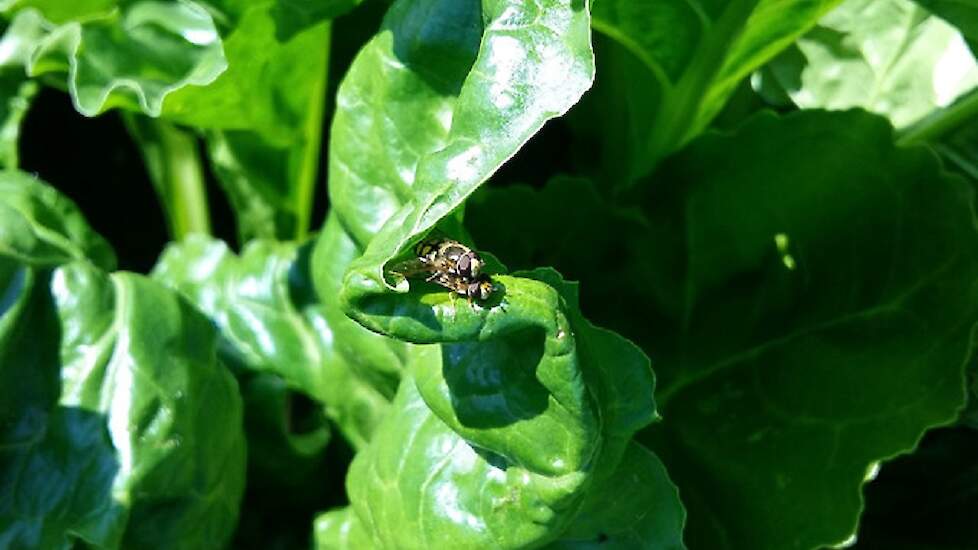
450 264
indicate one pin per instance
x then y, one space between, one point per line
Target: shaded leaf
293 16
807 311
838 315
127 435
667 68
272 99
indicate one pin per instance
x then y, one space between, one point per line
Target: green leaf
522 409
270 321
293 16
666 68
638 507
135 56
365 367
125 431
963 14
887 56
59 11
258 302
339 530
16 90
40 227
443 95
567 223
807 311
265 146
838 317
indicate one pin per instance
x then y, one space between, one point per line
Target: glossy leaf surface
438 99
269 321
123 427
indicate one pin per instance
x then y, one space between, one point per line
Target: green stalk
309 164
173 161
940 123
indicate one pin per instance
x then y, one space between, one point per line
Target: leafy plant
732 245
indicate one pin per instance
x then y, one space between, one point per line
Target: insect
480 288
449 256
450 264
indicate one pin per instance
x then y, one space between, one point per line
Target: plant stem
173 162
309 165
940 123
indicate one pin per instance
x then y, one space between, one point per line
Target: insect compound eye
464 265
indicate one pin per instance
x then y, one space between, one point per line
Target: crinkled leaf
269 321
667 68
40 227
522 409
258 302
838 315
16 90
269 86
134 56
887 56
638 507
125 429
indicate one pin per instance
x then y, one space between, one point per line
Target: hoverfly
450 264
480 288
449 256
